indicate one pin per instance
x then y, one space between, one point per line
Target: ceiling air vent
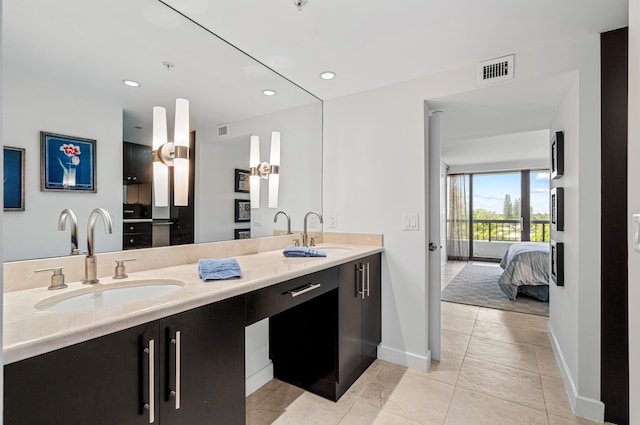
223 130
497 69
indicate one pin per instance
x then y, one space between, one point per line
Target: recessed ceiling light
328 75
131 83
268 92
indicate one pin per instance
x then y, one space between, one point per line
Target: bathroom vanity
180 358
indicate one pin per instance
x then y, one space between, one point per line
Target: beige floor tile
457 324
310 409
273 405
447 369
555 397
366 378
547 363
473 408
507 383
411 395
503 317
517 356
540 337
455 342
538 322
557 420
459 310
258 397
363 413
502 333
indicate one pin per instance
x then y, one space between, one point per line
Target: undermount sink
112 296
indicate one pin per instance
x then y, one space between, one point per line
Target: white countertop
29 332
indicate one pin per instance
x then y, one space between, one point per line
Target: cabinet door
371 307
203 365
350 320
101 381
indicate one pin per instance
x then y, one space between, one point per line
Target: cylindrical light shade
275 148
181 164
254 179
274 177
160 170
254 152
160 184
274 183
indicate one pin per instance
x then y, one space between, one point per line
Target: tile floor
497 368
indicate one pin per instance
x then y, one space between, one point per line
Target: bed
526 270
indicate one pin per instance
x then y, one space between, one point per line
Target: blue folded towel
218 269
302 251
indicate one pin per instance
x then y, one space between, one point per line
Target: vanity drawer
136 241
136 227
282 296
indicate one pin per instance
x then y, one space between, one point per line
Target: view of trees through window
497 206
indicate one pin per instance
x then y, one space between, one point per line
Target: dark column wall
615 320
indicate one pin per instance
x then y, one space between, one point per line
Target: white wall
300 172
30 108
633 180
574 320
374 172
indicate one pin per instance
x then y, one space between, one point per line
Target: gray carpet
478 285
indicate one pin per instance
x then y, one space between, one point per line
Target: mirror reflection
67 70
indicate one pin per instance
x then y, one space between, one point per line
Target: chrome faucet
305 236
275 218
90 266
73 220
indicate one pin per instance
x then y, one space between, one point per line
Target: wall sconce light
264 170
171 154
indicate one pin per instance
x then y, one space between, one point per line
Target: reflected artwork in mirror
76 80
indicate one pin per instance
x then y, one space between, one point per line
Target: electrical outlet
256 220
333 221
313 221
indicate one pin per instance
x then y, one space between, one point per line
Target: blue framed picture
67 163
13 179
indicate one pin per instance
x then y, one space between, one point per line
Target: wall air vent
223 130
498 69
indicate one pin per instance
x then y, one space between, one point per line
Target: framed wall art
241 181
242 210
242 234
67 163
13 178
557 262
557 209
557 155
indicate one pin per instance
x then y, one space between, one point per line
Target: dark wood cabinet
136 234
324 344
196 359
137 163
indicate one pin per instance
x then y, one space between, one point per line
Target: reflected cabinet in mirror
64 72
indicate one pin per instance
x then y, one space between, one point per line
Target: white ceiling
373 43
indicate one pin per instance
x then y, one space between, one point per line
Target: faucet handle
296 242
121 271
313 241
57 278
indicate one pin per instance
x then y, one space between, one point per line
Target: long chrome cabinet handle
366 267
176 392
364 280
310 287
151 405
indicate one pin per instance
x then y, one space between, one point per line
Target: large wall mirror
64 63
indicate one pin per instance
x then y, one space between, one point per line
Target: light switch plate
410 221
256 220
333 221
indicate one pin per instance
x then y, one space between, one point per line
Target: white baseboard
582 406
258 379
403 358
